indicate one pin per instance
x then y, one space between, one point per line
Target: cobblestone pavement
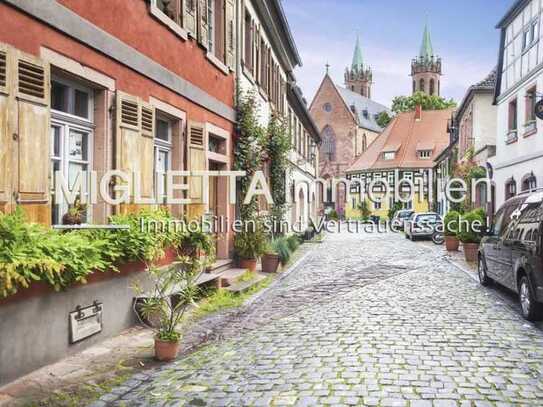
364 320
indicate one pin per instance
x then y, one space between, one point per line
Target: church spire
426 49
426 67
358 61
359 77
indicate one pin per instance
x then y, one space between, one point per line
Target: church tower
359 78
426 68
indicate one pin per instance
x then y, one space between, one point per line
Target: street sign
539 109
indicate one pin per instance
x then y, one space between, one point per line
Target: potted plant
450 226
470 234
75 213
197 243
277 251
249 245
173 291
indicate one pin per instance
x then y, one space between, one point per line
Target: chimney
418 113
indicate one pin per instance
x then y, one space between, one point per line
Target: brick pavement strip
379 321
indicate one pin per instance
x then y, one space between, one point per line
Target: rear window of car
427 218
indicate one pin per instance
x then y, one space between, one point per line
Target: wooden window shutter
127 134
32 79
230 32
5 133
196 158
3 70
189 16
203 24
147 149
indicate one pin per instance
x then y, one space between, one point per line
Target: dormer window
425 154
389 155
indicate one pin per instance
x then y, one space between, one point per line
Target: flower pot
452 243
471 251
166 351
270 263
249 264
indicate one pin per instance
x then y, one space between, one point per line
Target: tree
408 103
383 119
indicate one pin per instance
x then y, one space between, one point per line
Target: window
510 189
163 154
389 155
216 22
425 154
71 99
512 115
525 39
329 143
377 205
414 86
364 142
530 105
327 107
421 85
71 137
248 43
432 87
529 183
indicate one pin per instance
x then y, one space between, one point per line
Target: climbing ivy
250 149
278 147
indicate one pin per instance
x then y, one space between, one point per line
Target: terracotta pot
270 263
166 351
471 251
249 264
452 243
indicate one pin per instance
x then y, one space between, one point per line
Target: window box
512 137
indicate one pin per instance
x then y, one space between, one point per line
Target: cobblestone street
361 320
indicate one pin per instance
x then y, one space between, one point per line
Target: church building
347 120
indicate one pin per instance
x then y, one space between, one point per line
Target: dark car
512 253
400 217
422 225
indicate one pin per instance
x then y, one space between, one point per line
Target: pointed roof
358 61
426 49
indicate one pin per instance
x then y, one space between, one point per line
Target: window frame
162 146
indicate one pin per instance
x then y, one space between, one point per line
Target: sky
463 34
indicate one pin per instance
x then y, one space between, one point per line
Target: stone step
220 265
231 276
242 286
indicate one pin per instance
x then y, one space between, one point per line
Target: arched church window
432 87
529 182
414 86
329 143
421 85
510 188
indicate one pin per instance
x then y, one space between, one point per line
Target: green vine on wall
250 149
278 147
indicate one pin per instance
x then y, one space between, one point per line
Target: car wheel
481 271
530 308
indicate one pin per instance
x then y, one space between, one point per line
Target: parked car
422 225
512 252
400 217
